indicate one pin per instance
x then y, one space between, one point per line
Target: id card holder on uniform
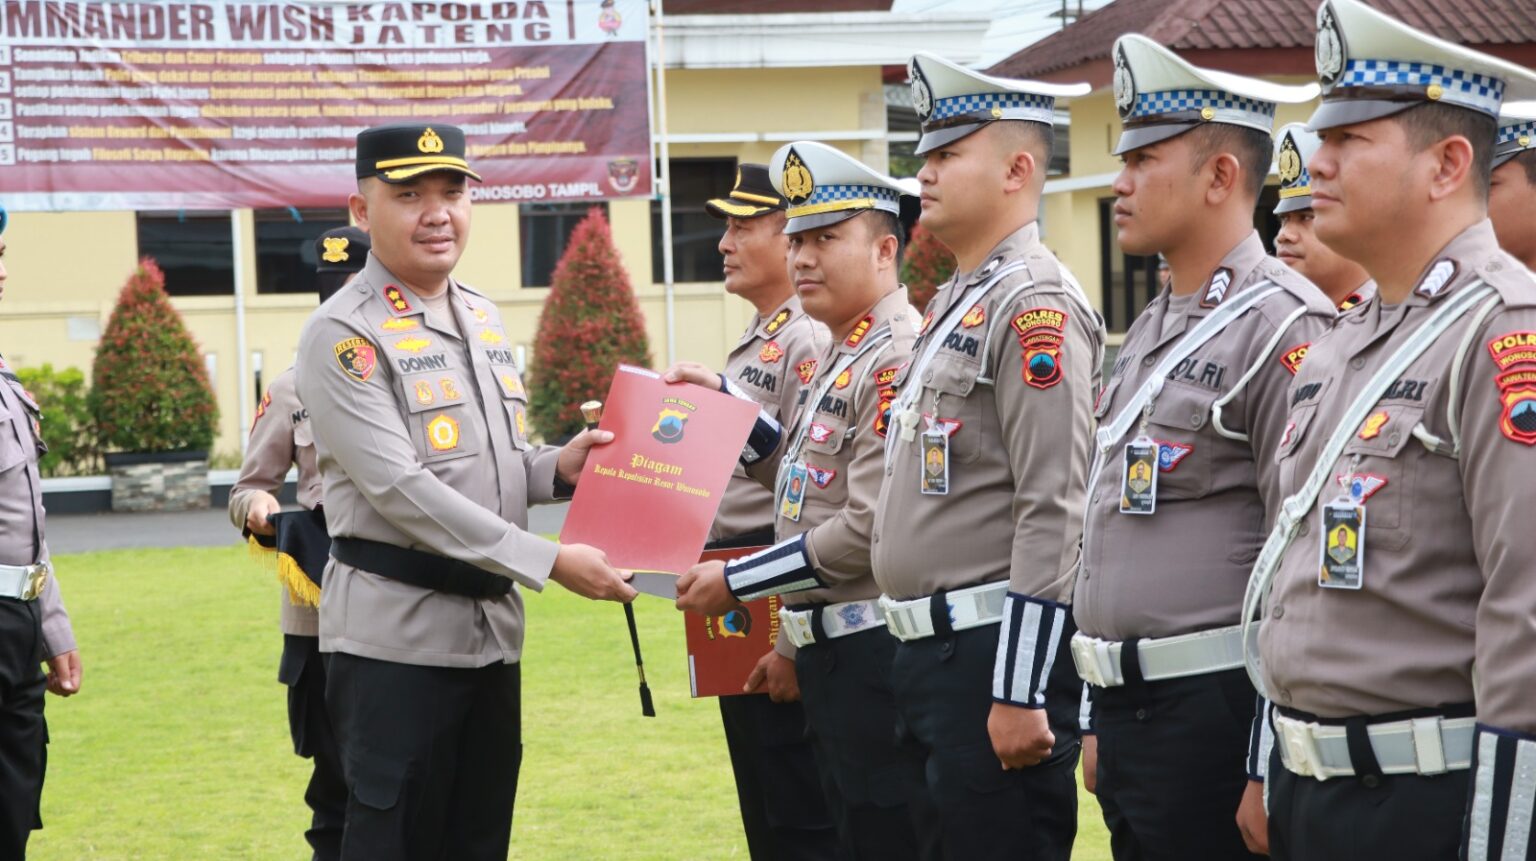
794 492
1138 490
1343 540
934 477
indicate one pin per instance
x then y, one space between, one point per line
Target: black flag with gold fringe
301 547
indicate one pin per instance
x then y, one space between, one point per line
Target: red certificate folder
647 499
722 650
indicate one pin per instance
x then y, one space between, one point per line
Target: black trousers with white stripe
1404 817
943 690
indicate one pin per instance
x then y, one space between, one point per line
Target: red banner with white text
225 104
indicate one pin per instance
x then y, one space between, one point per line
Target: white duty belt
972 607
1300 504
837 620
1100 662
1428 745
24 582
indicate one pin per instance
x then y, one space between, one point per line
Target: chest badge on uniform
491 336
1169 454
886 376
974 317
771 353
399 324
522 424
1291 358
450 389
513 384
443 433
927 321
819 433
860 329
396 300
1362 485
1373 425
843 379
480 314
357 357
805 370
424 394
820 477
412 345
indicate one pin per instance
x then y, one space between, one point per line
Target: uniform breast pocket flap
826 435
1178 424
511 382
1386 431
433 391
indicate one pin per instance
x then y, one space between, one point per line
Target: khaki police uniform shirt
1018 458
845 455
420 427
1449 562
280 438
763 366
22 539
1184 568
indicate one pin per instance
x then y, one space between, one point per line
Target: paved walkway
81 533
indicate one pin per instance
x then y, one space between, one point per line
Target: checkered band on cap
1456 86
1015 106
1512 134
835 198
1228 108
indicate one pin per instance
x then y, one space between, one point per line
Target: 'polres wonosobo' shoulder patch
1514 359
1041 331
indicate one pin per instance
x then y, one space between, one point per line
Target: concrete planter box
159 481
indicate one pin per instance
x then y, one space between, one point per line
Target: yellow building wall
65 269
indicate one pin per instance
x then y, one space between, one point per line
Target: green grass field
177 747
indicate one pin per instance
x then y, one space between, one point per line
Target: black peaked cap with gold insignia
344 249
404 151
753 195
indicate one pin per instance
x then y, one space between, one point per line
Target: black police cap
344 249
402 152
753 195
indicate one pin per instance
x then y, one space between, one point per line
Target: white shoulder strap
933 339
1299 504
803 426
1193 340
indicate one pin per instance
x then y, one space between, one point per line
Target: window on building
285 247
695 233
544 230
194 248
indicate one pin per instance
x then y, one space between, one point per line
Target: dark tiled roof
1245 25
